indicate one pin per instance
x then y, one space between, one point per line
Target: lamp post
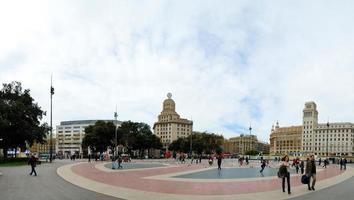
51 121
116 132
327 139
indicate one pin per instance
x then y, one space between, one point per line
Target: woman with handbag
284 173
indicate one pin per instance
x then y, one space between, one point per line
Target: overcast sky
226 63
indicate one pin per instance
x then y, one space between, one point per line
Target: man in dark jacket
32 161
311 172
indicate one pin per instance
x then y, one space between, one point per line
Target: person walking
284 173
263 165
319 162
32 161
219 161
311 172
345 163
341 163
302 165
120 160
297 165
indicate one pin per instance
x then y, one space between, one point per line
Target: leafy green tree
99 136
19 118
137 136
252 152
201 143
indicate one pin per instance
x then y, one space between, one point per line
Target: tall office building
170 126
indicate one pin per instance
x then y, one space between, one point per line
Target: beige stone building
170 125
325 139
44 148
285 140
244 143
312 137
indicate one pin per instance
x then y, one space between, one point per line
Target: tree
99 136
252 152
201 143
19 118
137 136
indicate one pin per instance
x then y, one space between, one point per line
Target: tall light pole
51 121
116 132
327 139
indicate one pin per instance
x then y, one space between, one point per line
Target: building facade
285 140
69 135
44 148
244 143
320 139
170 126
325 139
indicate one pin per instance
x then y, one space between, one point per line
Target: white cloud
226 64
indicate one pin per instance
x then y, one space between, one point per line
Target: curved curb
67 174
101 167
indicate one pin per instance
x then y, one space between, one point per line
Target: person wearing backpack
284 173
311 172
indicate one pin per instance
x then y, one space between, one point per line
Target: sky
228 64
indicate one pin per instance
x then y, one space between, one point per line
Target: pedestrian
311 172
319 162
114 162
263 165
325 162
33 162
219 161
302 165
247 160
284 173
297 166
345 163
341 163
210 161
120 160
200 158
89 157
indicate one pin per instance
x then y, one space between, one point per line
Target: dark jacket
32 161
310 167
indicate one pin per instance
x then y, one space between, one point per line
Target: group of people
343 163
242 159
310 172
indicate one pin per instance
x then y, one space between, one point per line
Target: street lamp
327 139
116 134
51 121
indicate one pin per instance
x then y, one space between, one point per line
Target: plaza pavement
17 184
158 184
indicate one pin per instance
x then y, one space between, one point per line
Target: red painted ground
134 180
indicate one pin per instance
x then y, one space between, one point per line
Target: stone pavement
158 183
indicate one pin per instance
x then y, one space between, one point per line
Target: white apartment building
69 136
325 139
